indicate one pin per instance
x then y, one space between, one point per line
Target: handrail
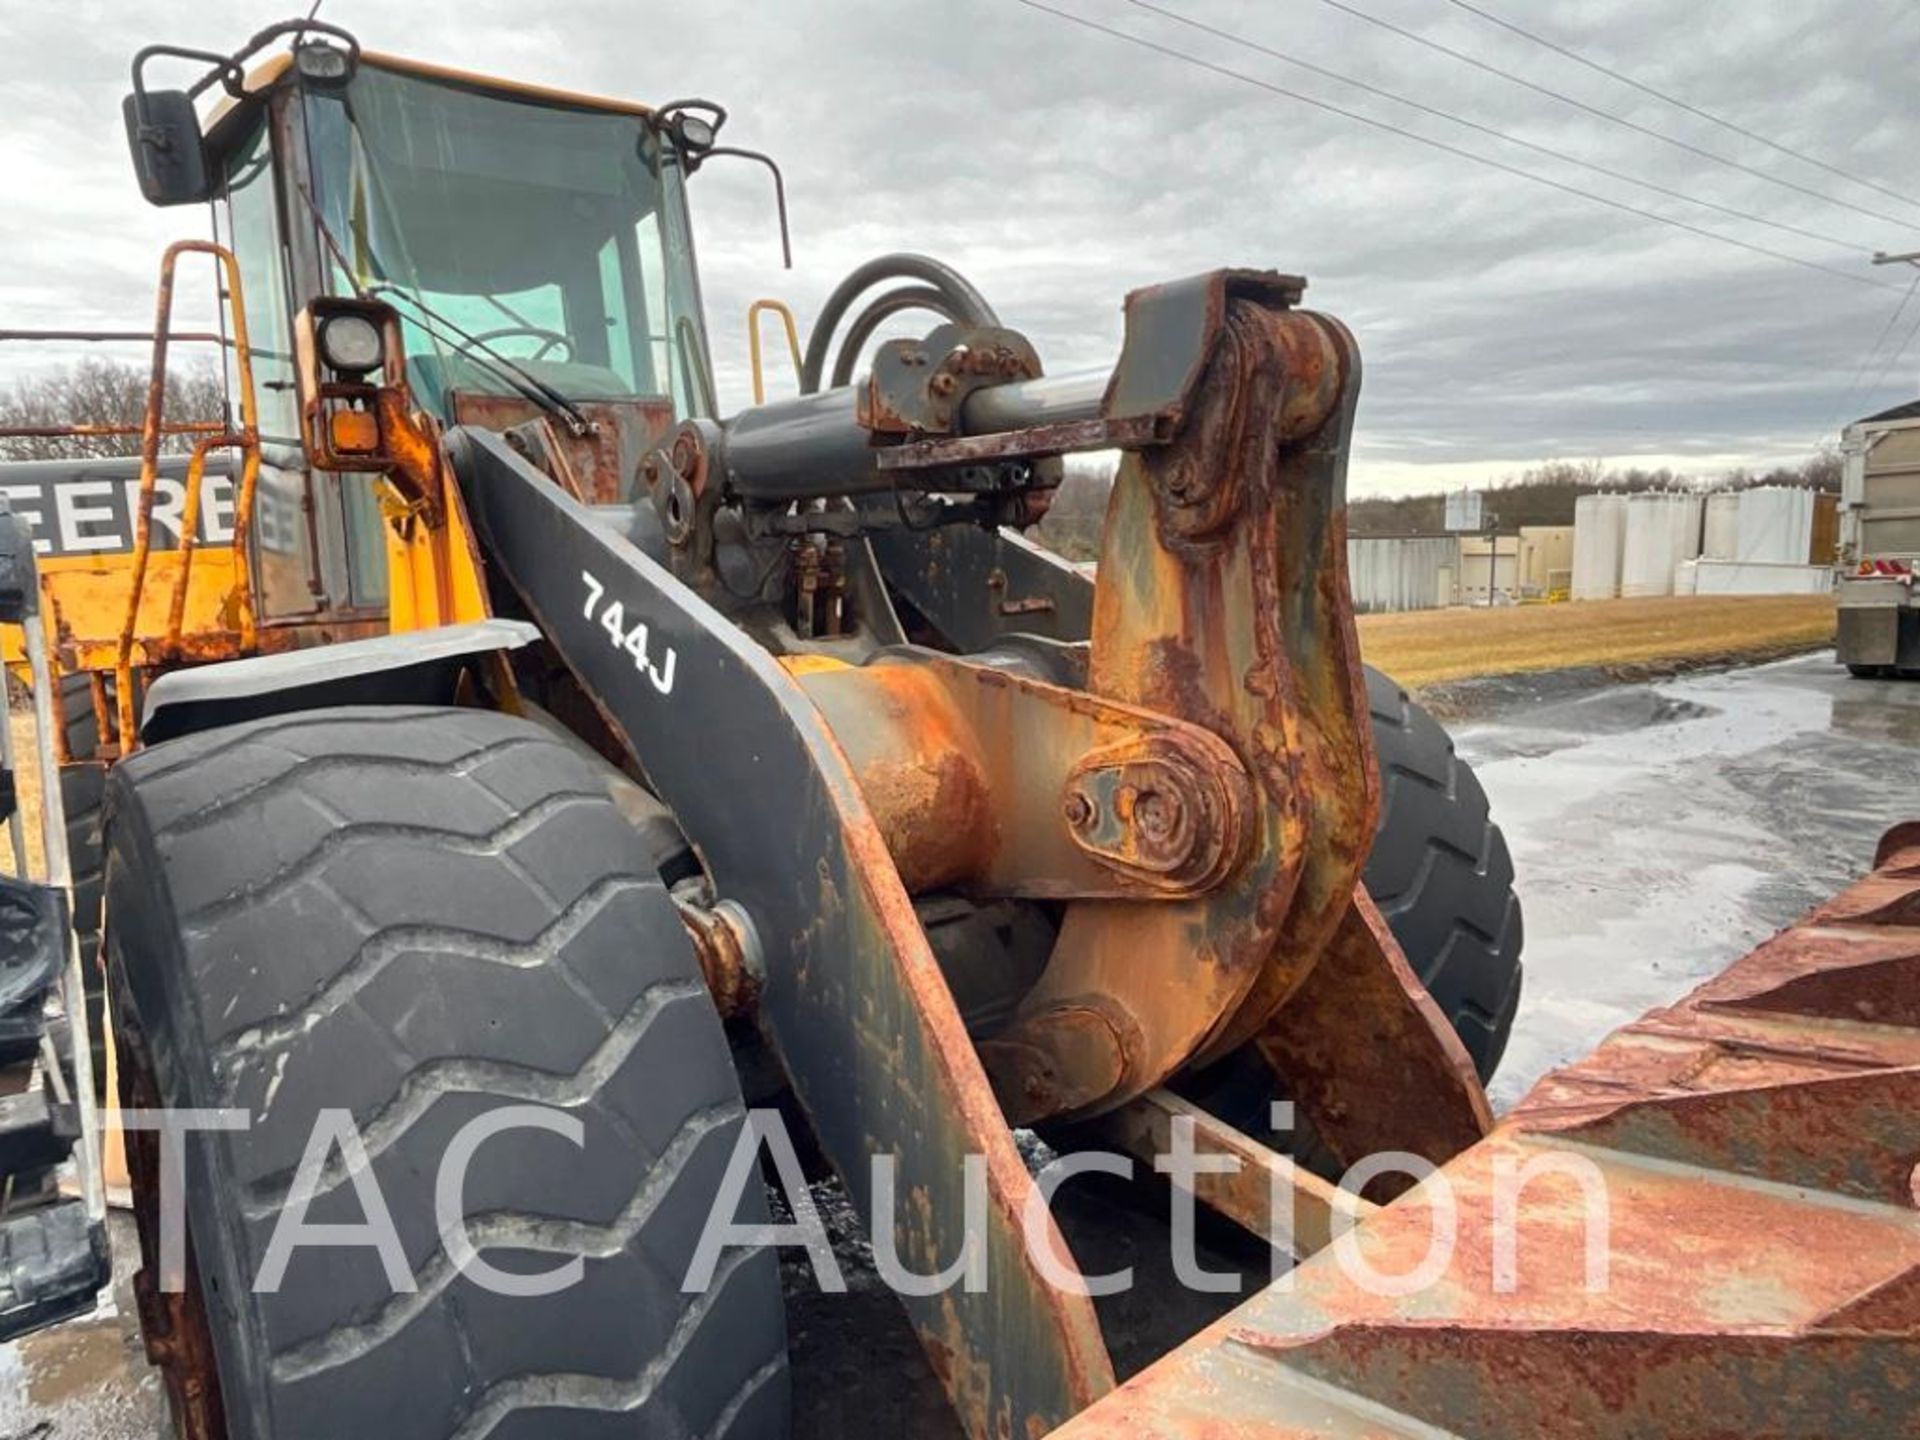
246 439
89 337
754 312
91 431
99 430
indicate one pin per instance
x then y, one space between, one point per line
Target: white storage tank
1599 538
1776 525
1663 529
1721 540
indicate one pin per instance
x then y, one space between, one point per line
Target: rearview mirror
168 153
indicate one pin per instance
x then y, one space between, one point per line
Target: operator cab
534 244
522 242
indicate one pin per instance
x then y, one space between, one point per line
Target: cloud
1501 321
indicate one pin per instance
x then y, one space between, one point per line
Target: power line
1606 115
1675 100
1449 116
1894 359
1840 410
1145 44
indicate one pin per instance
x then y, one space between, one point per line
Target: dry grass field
1430 647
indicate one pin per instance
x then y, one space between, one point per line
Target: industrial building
1769 540
1427 572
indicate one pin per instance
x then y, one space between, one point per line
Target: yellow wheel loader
550 799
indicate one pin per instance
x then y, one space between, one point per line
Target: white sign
1464 511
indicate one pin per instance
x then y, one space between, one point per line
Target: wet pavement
1661 831
87 1379
1658 832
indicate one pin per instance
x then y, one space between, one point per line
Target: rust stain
1366 1054
173 1324
599 467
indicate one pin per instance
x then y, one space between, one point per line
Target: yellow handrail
754 312
246 439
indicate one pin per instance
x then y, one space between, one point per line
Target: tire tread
635 1052
1441 874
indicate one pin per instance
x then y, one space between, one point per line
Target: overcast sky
1502 322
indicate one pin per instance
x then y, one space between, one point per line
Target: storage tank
1599 537
1776 525
1662 530
1721 540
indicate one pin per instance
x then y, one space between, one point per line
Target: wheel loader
557 784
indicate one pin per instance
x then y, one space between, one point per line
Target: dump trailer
1879 622
577 798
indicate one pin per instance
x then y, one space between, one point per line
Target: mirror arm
223 68
779 187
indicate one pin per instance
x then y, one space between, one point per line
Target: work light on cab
351 344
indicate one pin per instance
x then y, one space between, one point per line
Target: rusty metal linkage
1367 1056
1009 786
1267 1194
1221 604
1707 1227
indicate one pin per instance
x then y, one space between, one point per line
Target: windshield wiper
504 366
531 387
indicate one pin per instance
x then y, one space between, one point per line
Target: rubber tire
1441 875
1866 672
422 915
83 788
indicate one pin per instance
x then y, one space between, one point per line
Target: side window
253 227
659 338
613 305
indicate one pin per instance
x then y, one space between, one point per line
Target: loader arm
1202 806
851 995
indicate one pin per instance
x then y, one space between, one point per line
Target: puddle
1552 728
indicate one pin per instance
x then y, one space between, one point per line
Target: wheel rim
173 1325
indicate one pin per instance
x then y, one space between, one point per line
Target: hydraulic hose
963 303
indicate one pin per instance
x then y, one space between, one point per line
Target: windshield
512 235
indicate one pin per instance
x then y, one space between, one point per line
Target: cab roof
231 114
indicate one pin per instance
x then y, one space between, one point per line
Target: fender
414 667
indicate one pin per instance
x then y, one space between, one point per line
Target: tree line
1545 494
98 391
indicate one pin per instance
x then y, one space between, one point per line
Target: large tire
420 916
83 788
1441 874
